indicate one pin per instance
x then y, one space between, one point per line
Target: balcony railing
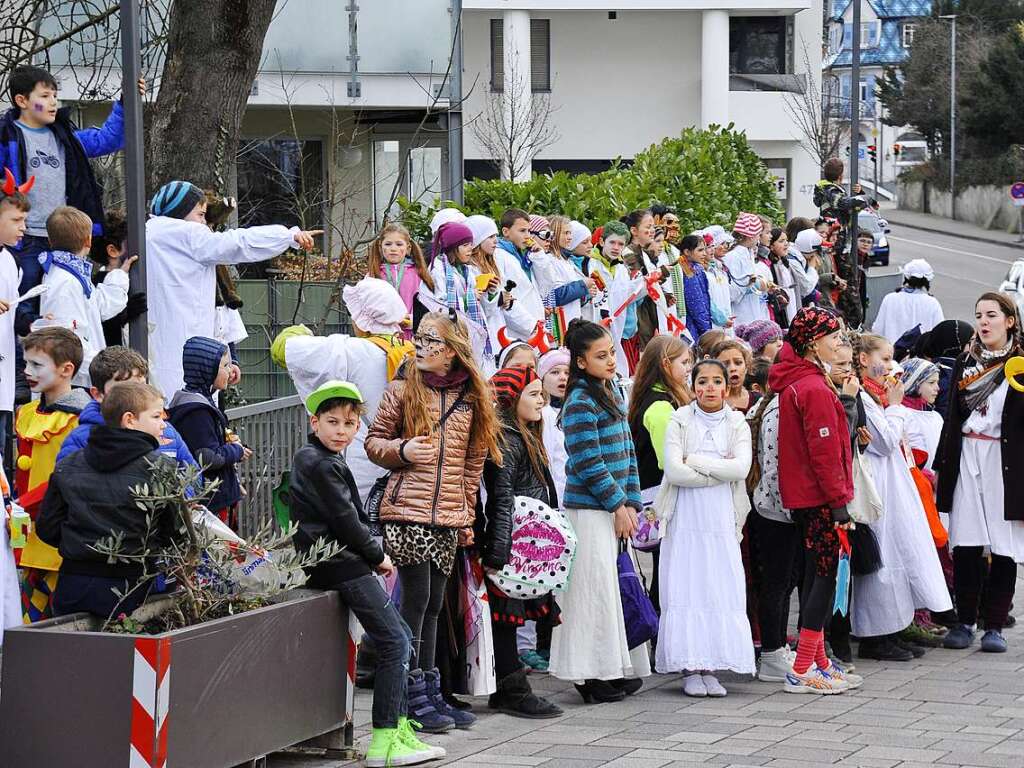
868 109
777 83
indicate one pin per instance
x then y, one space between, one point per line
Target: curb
947 233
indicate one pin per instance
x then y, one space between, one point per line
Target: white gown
702 590
902 310
911 576
977 516
747 301
923 431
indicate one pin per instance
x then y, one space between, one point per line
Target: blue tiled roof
886 9
893 14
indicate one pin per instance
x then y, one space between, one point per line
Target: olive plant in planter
219 671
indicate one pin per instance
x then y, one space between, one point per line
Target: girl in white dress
911 575
703 504
924 423
980 469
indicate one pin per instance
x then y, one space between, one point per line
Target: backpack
543 548
397 349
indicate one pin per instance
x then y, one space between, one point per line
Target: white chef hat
919 268
808 240
482 228
374 306
444 216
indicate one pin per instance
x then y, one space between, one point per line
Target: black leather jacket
515 477
325 503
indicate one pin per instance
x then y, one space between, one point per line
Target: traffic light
896 150
873 153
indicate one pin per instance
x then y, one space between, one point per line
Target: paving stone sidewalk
950 708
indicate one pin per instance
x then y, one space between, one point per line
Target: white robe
619 286
314 360
66 301
923 431
10 279
528 308
181 283
551 272
554 445
911 576
747 301
718 290
902 310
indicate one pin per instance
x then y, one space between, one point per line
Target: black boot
600 691
628 687
515 697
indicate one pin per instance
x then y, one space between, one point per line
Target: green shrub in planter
707 175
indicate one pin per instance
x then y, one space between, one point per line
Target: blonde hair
559 225
866 343
375 257
417 418
68 229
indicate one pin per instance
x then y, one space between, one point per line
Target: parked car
1013 285
867 221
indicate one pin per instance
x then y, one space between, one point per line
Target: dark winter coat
325 504
1011 444
91 496
815 457
204 429
646 457
514 477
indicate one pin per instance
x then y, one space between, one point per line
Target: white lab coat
747 303
181 283
10 279
551 272
314 360
903 310
528 308
718 290
67 302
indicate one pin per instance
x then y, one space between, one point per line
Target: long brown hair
417 418
533 436
651 370
375 257
485 262
866 343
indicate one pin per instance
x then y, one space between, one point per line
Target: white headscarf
579 233
374 306
482 228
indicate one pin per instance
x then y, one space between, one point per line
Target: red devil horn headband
11 186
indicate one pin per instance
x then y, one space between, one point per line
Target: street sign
1017 193
781 178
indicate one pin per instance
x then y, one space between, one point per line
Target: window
425 174
758 45
870 34
281 181
540 55
908 35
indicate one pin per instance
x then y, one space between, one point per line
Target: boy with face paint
52 357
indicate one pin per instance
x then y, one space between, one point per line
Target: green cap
330 390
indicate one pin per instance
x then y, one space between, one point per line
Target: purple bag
637 610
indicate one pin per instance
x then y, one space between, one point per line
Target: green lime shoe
407 732
390 747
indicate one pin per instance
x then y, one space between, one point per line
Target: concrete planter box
210 696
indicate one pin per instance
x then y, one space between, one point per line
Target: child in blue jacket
207 368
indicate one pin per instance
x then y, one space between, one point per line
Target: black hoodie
90 497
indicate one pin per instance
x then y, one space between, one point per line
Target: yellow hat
279 343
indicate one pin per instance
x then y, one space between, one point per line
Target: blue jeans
31 276
366 598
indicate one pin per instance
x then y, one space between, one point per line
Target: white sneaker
693 685
837 672
714 688
775 665
790 654
814 681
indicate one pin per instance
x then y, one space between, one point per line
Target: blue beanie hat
176 199
200 361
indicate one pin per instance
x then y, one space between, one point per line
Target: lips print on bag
543 548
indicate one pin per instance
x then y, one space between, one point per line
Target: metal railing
274 430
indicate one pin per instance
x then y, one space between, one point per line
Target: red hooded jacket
815 458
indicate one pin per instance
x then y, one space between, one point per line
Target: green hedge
708 176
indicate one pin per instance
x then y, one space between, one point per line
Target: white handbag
867 506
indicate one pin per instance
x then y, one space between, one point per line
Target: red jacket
815 459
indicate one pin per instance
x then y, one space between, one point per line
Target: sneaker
407 734
388 747
790 654
958 638
534 660
993 642
814 681
838 672
775 665
714 688
693 685
841 650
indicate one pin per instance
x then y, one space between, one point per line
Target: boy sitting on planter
325 504
91 498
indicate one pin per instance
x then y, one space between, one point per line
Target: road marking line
952 250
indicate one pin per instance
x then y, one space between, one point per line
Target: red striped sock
820 657
807 649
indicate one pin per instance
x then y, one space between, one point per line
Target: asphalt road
964 268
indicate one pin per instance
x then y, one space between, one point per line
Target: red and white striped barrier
151 685
355 634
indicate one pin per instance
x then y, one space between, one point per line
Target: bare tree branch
818 114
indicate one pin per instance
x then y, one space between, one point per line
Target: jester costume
41 430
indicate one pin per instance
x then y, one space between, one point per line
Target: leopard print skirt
411 544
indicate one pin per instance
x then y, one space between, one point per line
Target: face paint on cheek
877 371
38 107
43 374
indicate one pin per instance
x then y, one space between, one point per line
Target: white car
1013 285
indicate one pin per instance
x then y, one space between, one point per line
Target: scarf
705 423
472 306
983 373
76 266
877 391
676 275
454 378
916 403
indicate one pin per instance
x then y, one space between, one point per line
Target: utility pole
854 124
134 168
455 171
952 114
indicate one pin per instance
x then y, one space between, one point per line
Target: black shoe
628 687
454 703
883 650
515 697
600 691
917 650
947 619
1010 620
841 650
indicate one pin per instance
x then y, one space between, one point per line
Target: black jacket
90 497
947 458
203 427
646 458
325 504
515 477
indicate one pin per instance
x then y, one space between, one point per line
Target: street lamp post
952 114
134 167
854 123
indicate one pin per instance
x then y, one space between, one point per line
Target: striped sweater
601 470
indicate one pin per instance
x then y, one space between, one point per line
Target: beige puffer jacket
442 493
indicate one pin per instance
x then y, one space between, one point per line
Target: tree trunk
213 52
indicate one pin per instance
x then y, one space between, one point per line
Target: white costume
704 623
902 310
528 307
977 518
10 592
923 431
181 283
911 576
65 299
618 286
718 290
554 445
748 302
10 279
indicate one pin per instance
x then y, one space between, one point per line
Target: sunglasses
544 234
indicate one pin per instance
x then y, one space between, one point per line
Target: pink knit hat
539 223
748 225
551 359
760 333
